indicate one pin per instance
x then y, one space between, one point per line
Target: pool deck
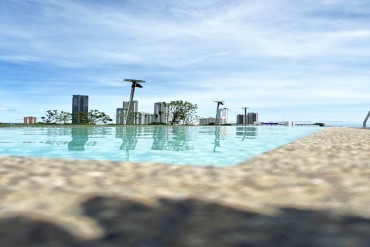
312 192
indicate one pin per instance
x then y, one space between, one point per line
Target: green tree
64 117
80 118
55 117
95 117
51 117
181 110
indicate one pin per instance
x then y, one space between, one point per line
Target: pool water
193 145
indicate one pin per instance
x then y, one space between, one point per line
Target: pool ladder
367 117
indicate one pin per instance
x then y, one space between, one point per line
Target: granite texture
312 192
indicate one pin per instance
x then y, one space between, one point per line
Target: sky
306 60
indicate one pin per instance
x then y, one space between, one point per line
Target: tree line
62 117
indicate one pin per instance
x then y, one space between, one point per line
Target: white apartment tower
160 112
119 116
121 113
224 114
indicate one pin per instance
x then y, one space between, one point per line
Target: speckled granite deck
313 192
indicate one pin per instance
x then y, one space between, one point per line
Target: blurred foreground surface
313 192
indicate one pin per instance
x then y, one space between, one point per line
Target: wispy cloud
260 53
6 109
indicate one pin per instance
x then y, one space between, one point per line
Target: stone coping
318 185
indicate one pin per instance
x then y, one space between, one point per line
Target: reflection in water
246 132
209 145
128 135
217 138
79 138
160 137
52 135
172 138
220 133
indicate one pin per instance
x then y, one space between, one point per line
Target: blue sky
286 59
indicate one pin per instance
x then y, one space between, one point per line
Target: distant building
144 118
119 116
224 114
160 112
277 123
211 120
29 120
121 113
134 111
251 118
135 106
80 104
240 119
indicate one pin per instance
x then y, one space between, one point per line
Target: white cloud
261 53
6 109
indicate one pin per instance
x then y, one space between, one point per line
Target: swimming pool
193 145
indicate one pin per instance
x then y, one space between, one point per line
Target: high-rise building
135 106
251 118
29 120
144 118
211 120
160 112
224 114
124 111
80 104
240 119
119 116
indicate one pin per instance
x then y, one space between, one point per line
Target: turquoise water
201 145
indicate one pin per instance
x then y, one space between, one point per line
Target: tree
181 110
51 117
80 118
64 117
191 118
92 117
95 116
54 117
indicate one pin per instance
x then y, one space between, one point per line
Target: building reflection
246 132
53 136
160 138
221 133
217 138
79 138
172 138
128 134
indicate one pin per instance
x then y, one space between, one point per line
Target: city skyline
303 61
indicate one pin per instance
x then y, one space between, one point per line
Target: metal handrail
367 117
